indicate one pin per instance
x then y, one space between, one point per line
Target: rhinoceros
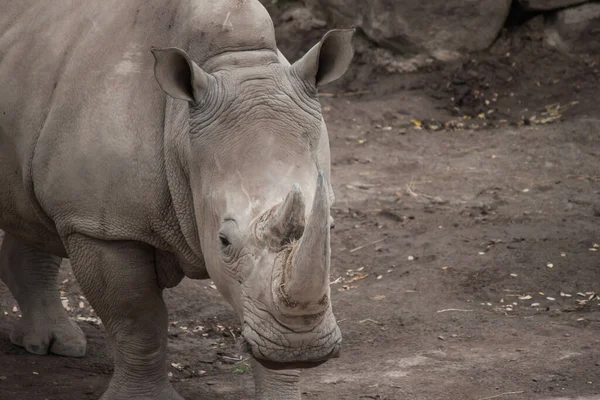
152 140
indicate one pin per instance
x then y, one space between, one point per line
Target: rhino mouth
276 346
275 365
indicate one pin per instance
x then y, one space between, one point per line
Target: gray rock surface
575 29
412 27
546 5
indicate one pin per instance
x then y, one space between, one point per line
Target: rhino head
258 158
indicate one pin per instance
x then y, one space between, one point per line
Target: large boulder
546 5
575 29
411 27
296 28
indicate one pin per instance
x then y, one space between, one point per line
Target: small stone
410 258
15 309
441 338
36 373
567 335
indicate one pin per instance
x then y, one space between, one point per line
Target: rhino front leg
275 385
32 277
120 282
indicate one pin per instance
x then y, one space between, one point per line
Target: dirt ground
465 255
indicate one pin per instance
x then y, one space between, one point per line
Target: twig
410 191
502 394
370 320
338 280
243 360
436 199
342 320
367 245
454 309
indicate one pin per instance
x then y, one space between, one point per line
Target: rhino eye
224 240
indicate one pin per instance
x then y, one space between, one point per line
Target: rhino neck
176 156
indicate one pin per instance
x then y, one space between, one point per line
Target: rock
546 5
297 29
575 29
411 27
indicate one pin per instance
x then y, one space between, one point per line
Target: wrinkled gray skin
200 158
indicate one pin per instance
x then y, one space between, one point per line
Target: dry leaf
358 278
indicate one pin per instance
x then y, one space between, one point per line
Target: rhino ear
178 75
329 59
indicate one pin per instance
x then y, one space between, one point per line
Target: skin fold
151 140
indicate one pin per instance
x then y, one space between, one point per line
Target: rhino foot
62 337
